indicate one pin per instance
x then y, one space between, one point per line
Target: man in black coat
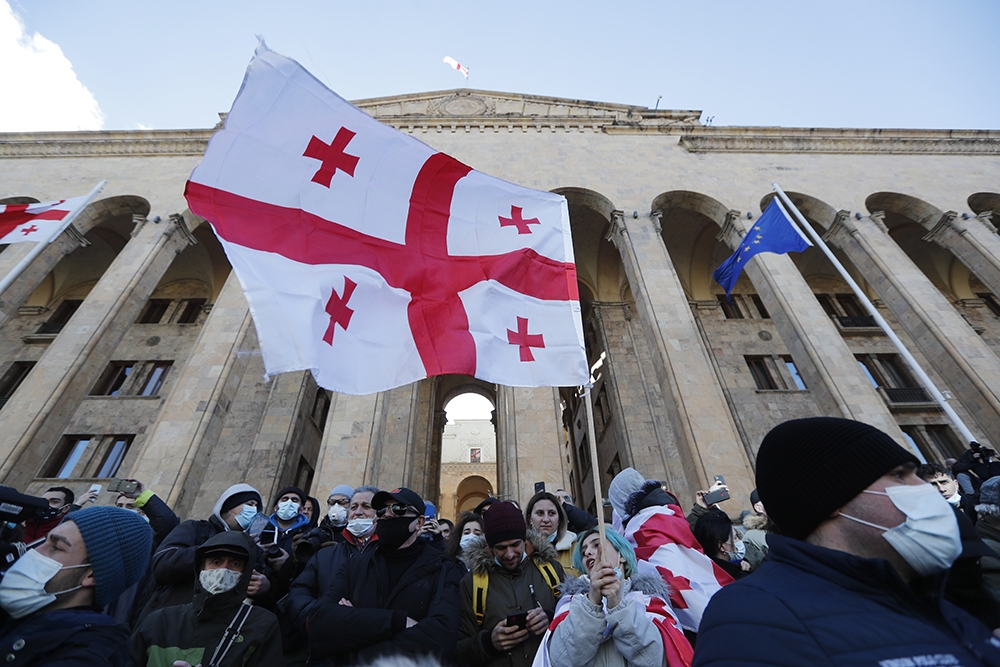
401 599
839 586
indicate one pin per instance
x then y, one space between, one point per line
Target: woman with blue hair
612 615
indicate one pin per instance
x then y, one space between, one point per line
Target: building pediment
463 104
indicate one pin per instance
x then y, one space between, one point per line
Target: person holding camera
508 598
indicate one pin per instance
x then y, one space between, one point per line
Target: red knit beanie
503 522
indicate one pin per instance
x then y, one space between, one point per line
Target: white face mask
337 514
955 500
219 580
287 510
739 551
928 540
22 590
246 516
360 527
471 540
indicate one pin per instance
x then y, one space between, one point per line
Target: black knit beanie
291 489
504 522
240 498
807 468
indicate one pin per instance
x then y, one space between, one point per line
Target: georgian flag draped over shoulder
34 222
374 260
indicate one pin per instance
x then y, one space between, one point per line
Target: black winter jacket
376 624
808 605
77 637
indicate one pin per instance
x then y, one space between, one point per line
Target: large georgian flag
34 222
374 260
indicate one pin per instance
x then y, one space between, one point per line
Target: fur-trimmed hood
755 522
644 583
480 559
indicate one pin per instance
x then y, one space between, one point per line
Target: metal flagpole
914 366
40 246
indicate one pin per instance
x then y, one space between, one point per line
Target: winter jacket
564 547
808 605
275 534
376 623
173 562
192 631
624 636
317 577
77 637
507 592
577 520
755 539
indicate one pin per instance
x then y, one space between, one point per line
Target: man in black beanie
859 533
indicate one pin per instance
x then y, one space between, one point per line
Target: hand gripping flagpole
595 473
40 246
914 366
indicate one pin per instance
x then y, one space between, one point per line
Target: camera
305 546
274 551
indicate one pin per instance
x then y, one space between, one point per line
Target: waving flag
773 232
374 260
34 222
454 64
665 546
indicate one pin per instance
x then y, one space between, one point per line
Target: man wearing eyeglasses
400 598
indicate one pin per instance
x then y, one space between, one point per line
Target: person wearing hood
503 580
546 516
286 522
173 562
400 600
221 626
613 615
53 594
357 538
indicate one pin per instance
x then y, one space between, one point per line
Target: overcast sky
123 64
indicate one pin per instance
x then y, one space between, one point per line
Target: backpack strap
550 576
480 586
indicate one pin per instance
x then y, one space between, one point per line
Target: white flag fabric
373 260
454 64
34 222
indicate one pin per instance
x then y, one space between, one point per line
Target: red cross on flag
374 260
34 222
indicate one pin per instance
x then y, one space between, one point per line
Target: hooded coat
173 562
192 631
76 637
508 592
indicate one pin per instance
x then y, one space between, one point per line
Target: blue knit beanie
118 546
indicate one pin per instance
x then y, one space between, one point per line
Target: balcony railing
907 395
858 322
50 327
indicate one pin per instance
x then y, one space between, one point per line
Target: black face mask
393 532
48 513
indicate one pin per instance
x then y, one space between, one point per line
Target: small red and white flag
454 64
34 222
665 546
373 260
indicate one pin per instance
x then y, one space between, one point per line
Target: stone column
830 370
347 441
974 241
37 412
969 368
529 442
708 441
195 410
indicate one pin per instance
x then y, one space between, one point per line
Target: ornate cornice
821 140
121 143
947 221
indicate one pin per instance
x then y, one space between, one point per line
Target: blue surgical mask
246 516
287 510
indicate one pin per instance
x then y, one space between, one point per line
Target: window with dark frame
761 374
759 304
321 408
730 309
60 317
154 312
113 379
114 456
13 378
190 309
793 370
851 305
940 436
991 302
827 303
67 456
157 376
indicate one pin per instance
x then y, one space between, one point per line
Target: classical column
708 442
968 367
529 442
344 456
974 241
37 412
830 370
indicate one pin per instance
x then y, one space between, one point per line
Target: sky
125 65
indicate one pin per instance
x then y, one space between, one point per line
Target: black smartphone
539 487
518 618
121 486
716 497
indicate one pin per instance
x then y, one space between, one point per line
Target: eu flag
774 232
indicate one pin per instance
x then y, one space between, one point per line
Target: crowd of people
852 553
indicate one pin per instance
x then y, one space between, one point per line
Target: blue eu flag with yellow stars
774 232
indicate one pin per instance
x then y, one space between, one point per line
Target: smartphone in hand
518 619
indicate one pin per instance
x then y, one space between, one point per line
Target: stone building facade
127 348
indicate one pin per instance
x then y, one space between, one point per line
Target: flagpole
41 245
595 473
914 366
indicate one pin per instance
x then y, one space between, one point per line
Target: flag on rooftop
34 222
374 260
454 64
774 232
